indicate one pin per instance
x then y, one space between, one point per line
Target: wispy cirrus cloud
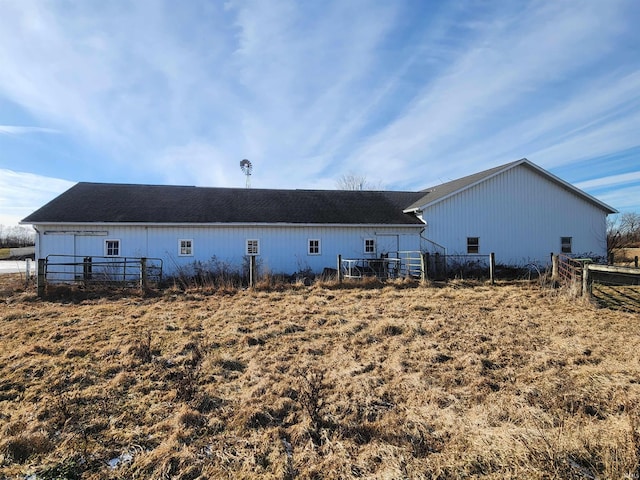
623 199
610 181
21 130
406 93
20 192
517 72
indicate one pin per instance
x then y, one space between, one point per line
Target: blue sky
408 93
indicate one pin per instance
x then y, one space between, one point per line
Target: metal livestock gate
124 271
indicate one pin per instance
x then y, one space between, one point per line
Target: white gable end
520 214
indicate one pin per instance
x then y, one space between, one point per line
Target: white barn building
518 210
287 230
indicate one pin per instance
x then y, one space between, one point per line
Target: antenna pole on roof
247 168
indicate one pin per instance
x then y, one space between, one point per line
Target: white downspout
37 243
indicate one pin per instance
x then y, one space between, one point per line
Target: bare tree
623 231
16 236
614 239
354 181
630 226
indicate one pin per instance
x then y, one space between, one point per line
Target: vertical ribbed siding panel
520 216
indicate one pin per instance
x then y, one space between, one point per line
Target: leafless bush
141 349
212 274
312 398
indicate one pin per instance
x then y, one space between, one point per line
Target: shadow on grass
625 298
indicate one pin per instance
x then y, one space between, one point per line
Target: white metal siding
520 216
283 249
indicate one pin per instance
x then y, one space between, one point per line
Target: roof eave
231 224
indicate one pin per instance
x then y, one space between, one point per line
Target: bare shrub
312 398
213 274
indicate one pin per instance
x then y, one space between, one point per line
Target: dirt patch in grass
465 380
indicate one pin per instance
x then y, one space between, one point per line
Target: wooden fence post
492 267
586 287
554 266
427 265
439 266
86 269
339 268
611 259
423 267
143 273
41 278
27 276
635 261
252 271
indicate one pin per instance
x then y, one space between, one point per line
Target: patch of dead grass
384 381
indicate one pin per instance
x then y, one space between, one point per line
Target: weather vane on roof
247 168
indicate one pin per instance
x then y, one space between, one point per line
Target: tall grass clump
213 274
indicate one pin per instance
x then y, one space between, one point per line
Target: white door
61 258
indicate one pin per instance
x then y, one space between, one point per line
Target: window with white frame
369 245
565 244
314 246
473 245
253 247
112 248
185 247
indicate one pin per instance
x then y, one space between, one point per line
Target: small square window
112 248
253 247
369 245
565 244
473 245
185 248
314 247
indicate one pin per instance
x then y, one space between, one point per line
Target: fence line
415 264
615 287
440 267
98 270
386 267
611 286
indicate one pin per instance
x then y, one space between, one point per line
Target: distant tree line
16 236
624 231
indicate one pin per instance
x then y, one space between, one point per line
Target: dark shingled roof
117 203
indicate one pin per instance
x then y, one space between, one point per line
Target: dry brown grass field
463 380
625 256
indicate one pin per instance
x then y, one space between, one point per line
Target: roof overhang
93 225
